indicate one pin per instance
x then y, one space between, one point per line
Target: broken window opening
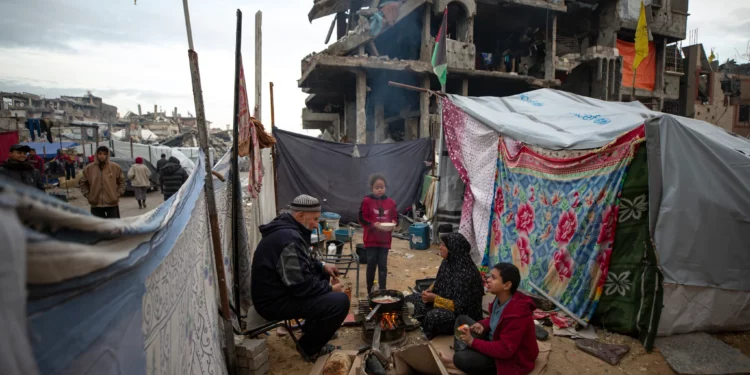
673 61
510 40
743 117
704 92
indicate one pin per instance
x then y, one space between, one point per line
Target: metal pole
59 138
210 198
236 187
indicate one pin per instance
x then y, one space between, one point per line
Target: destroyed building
717 94
494 48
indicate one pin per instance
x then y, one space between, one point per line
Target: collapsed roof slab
328 67
327 70
362 34
543 4
324 8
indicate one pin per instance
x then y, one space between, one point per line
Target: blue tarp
49 150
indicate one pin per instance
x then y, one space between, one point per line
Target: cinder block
263 370
251 348
253 363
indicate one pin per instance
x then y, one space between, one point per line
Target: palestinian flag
439 55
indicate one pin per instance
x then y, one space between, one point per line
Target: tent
613 209
302 160
48 150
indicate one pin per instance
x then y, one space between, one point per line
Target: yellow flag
712 57
641 39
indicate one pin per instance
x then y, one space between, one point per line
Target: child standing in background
376 209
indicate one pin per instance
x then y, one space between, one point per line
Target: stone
263 370
255 362
251 348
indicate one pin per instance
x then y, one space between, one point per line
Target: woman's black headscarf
458 278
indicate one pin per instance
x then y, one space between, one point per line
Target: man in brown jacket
102 184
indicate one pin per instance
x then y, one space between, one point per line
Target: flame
388 321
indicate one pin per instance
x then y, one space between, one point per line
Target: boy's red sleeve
507 343
485 323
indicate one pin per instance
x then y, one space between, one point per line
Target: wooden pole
210 197
258 63
632 97
236 186
273 115
273 153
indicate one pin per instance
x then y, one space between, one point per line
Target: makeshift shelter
611 208
48 150
129 296
337 173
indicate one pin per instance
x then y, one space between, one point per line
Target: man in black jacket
172 176
21 170
161 162
286 283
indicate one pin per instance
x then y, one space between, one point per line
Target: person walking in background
377 209
20 169
161 162
172 176
66 162
139 175
103 183
36 160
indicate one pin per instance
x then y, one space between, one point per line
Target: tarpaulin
645 76
6 140
48 150
337 173
555 219
135 295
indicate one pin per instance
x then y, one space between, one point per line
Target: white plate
388 226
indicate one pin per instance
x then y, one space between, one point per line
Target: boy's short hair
510 273
374 178
163 155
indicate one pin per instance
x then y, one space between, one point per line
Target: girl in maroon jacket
377 208
504 343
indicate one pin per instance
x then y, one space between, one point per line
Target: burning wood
388 321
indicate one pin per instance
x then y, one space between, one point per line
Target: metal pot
396 307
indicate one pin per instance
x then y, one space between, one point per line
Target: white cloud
123 53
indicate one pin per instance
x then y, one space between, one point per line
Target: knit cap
305 203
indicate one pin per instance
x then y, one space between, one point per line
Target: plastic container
419 236
332 219
328 233
339 246
344 234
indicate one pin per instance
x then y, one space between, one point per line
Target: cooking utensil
373 312
391 307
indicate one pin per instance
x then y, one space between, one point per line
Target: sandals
326 349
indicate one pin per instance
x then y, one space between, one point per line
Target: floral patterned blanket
555 218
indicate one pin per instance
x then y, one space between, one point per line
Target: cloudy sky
137 54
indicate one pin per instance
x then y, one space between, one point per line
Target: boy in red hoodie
511 348
376 209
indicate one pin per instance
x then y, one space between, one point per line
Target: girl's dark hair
510 273
375 177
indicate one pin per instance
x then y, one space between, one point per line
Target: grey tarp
337 173
699 182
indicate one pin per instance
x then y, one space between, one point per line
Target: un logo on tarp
533 102
597 119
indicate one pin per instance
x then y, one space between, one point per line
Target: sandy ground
404 267
128 204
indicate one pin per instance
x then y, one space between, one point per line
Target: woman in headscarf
458 289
